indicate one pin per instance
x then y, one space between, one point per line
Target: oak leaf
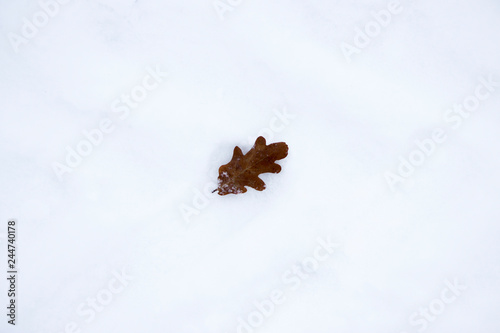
244 170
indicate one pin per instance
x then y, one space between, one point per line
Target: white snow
133 240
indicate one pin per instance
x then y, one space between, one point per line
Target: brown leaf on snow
244 170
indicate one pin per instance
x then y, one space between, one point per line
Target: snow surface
121 208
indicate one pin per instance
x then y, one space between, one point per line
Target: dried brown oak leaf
244 170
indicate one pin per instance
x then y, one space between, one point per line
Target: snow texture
117 114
